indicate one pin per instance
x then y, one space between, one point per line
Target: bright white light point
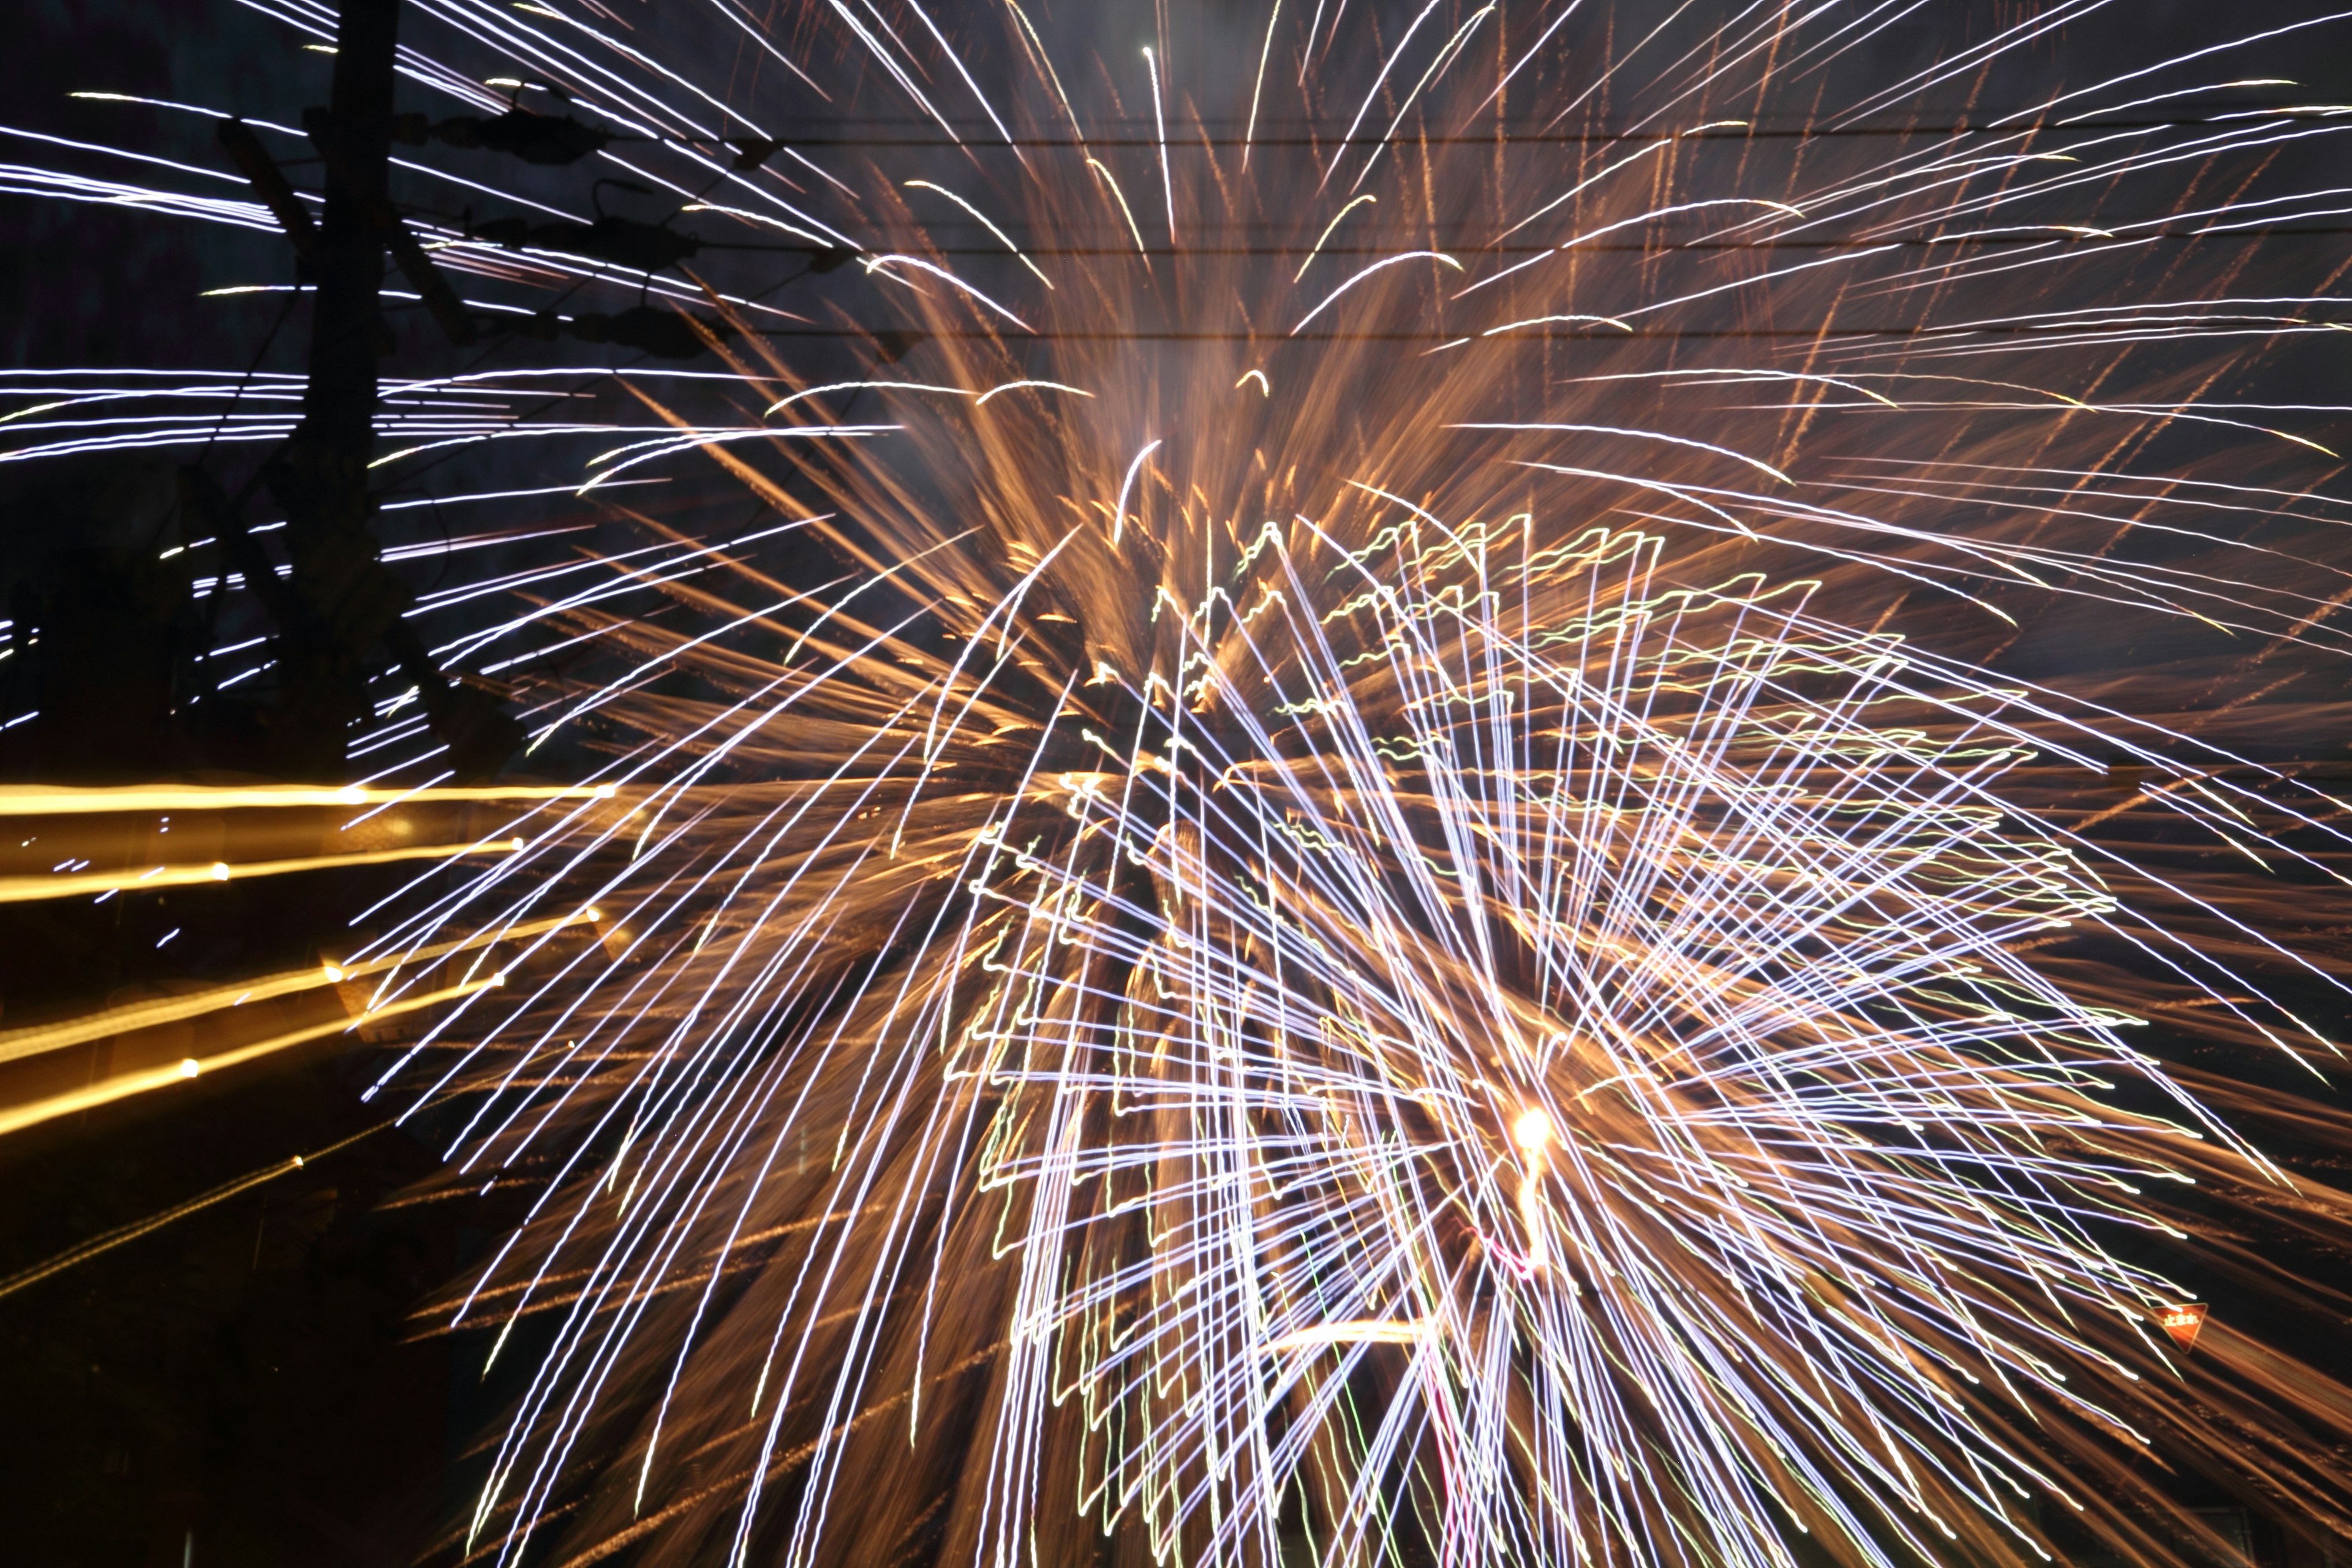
352 795
220 871
1532 1131
189 1067
332 972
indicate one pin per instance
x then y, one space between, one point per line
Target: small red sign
2182 1323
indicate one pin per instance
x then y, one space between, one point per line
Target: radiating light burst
1465 864
1627 1042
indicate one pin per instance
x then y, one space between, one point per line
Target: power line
1271 339
834 138
1945 242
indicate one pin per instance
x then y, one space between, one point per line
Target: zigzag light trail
1470 865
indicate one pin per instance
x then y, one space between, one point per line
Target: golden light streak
107 1242
43 800
34 1041
1355 1331
1533 1133
1111 180
122 1086
24 889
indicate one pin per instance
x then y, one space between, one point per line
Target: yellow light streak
1533 1133
36 1039
41 800
1354 1332
107 1241
122 1086
25 890
1110 180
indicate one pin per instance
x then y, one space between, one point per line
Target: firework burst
1359 878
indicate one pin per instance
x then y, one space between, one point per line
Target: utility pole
339 602
348 599
342 601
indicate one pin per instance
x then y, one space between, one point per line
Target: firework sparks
1368 883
